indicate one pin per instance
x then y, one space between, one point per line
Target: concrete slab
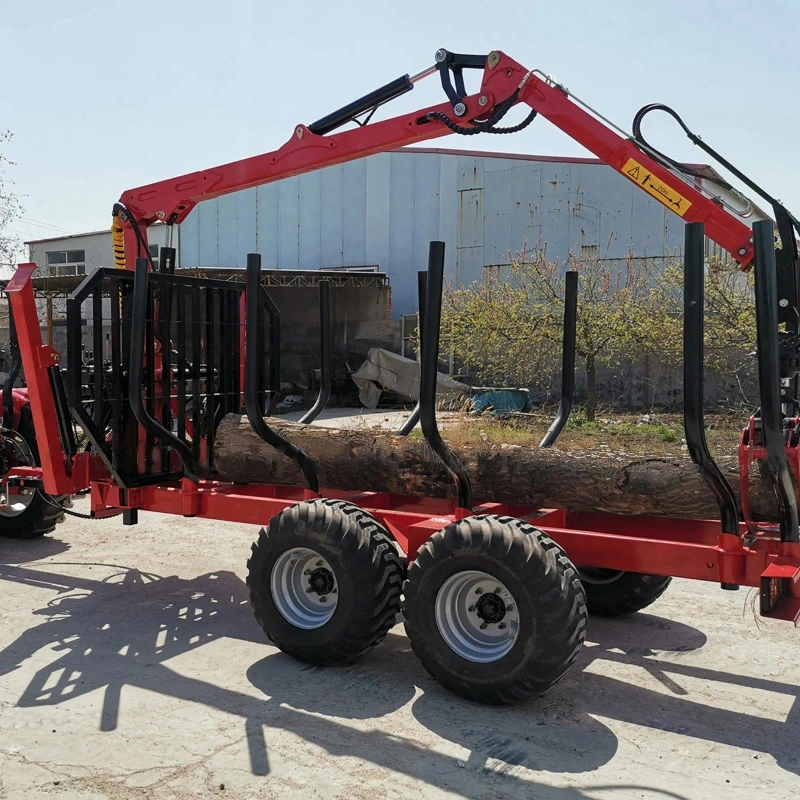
132 668
357 418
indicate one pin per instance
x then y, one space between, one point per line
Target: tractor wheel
325 581
494 609
611 593
34 514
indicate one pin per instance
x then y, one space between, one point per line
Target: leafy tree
508 326
730 322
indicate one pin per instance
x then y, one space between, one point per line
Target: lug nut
502 626
479 590
471 608
306 572
510 607
309 590
497 589
319 563
334 591
323 599
483 626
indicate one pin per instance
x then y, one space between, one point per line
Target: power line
46 225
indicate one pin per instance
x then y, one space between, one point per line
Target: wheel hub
304 589
477 616
321 581
491 608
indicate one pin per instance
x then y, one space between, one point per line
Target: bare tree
10 210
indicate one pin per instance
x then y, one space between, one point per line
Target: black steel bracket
139 314
413 417
567 360
253 359
325 336
431 326
769 377
456 63
693 377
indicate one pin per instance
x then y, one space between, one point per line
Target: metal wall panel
383 210
266 225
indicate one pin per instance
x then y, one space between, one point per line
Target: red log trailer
494 604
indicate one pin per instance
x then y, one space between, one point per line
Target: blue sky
105 96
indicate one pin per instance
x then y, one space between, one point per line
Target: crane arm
504 84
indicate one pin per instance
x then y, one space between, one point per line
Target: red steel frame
683 548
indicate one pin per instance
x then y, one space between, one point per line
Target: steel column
769 378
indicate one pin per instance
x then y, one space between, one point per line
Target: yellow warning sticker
656 187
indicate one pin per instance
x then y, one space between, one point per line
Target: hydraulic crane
326 575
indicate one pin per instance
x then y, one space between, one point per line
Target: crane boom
504 84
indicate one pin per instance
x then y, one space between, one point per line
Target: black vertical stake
693 375
274 383
211 329
769 378
413 417
117 396
252 361
166 266
141 320
75 356
567 359
180 360
195 350
325 353
428 376
99 366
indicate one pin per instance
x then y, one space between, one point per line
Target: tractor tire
611 593
39 513
494 609
325 581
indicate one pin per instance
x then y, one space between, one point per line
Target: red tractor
494 604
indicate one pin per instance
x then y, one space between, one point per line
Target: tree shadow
559 732
118 632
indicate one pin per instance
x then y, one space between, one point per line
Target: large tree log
369 460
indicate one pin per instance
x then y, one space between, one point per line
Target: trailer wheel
494 609
325 581
35 514
612 593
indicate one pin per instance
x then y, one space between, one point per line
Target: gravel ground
132 668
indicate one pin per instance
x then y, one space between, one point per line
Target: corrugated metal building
383 211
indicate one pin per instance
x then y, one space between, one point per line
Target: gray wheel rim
477 616
598 576
304 588
15 504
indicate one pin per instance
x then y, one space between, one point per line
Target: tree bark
369 460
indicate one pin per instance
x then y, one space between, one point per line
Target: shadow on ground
104 645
